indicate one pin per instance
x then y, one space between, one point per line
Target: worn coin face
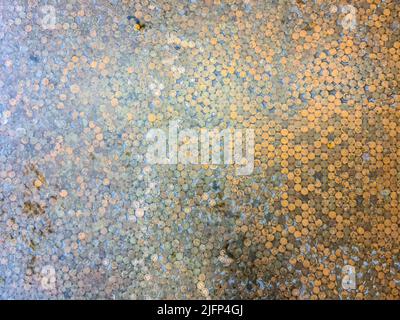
84 214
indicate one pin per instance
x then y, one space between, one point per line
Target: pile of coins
84 216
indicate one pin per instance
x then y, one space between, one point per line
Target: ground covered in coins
83 215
